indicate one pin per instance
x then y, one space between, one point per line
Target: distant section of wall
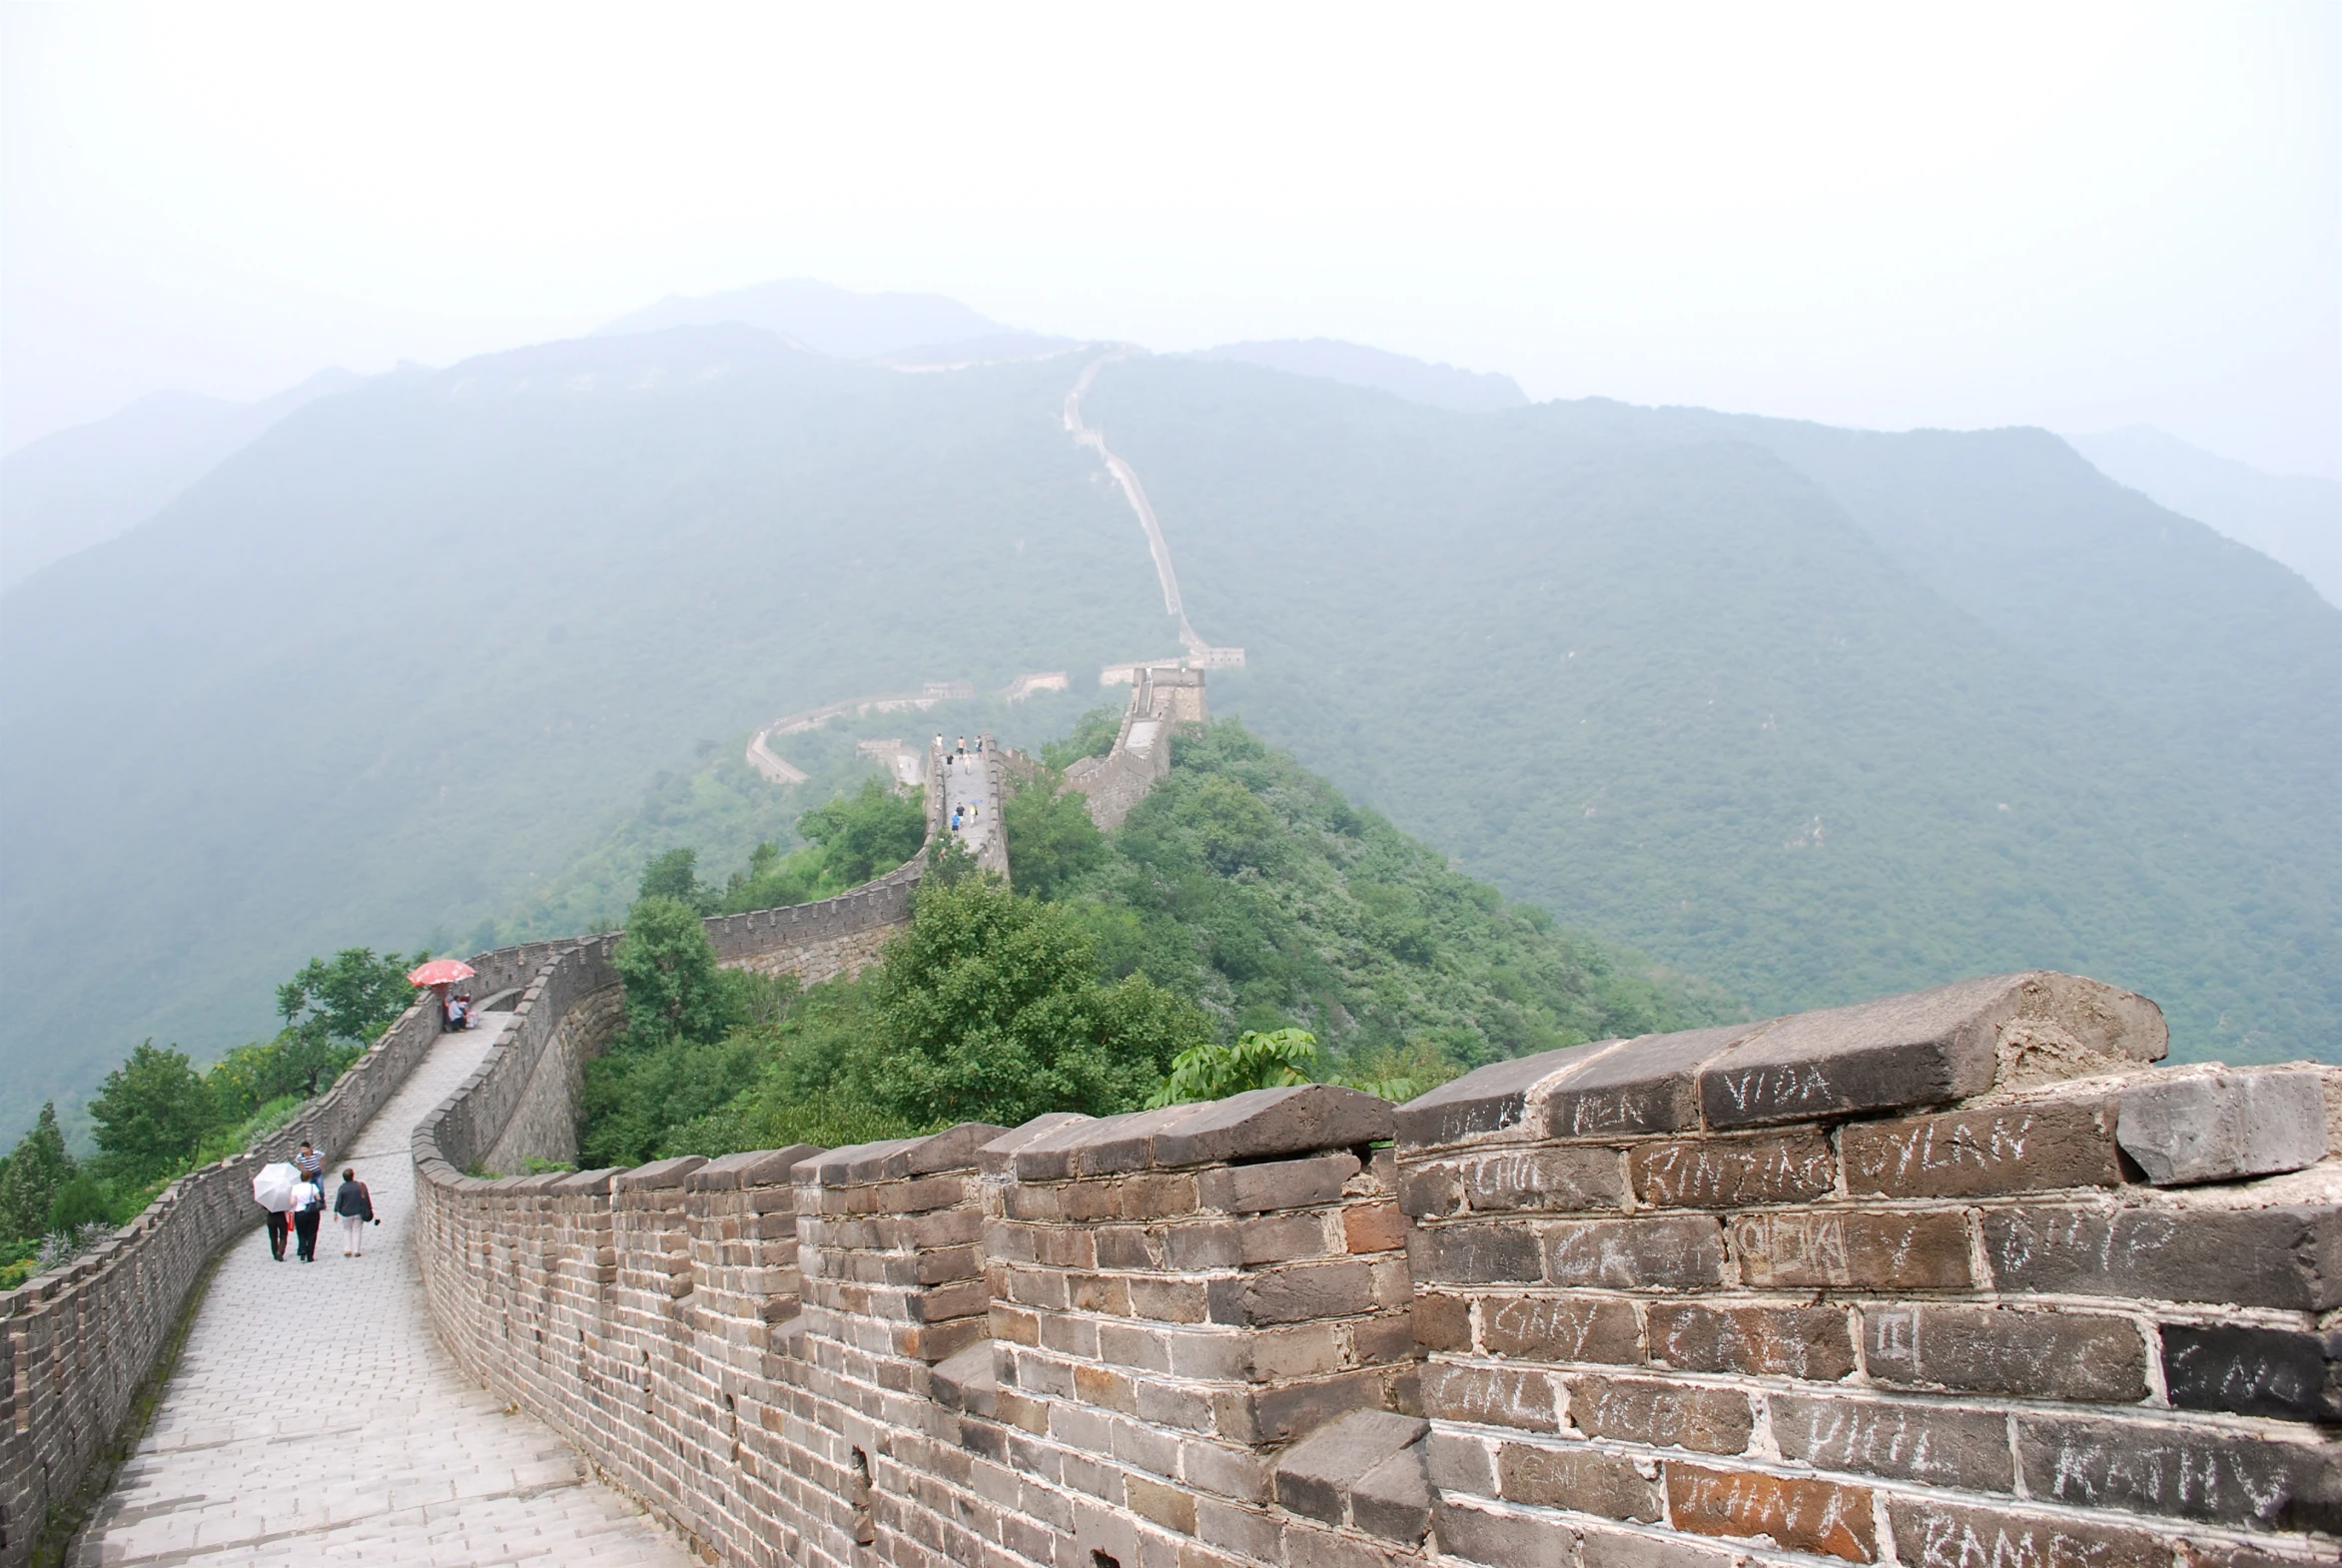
779 770
1161 698
1955 1279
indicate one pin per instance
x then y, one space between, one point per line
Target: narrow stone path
315 1418
968 787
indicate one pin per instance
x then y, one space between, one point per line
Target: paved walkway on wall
315 1418
968 782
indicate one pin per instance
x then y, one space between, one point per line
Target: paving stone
2219 1126
343 1432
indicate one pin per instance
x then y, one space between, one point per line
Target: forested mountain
2295 518
1808 713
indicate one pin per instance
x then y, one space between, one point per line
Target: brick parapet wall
79 1342
1884 1284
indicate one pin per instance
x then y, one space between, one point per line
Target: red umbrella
440 972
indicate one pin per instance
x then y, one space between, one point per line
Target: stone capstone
2217 1127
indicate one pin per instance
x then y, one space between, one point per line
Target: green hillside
1242 885
1819 715
1811 714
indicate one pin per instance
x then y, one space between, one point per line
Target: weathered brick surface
1869 1285
1822 1289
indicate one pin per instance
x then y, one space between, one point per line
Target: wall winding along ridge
80 1341
1952 1278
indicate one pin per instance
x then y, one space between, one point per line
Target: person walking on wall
279 1230
355 1205
308 1209
312 1166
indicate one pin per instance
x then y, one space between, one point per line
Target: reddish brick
1374 1227
1810 1342
1673 1252
1732 1172
1561 1328
1661 1414
1442 1322
1853 1247
1974 1154
1802 1516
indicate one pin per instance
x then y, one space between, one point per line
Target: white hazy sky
1963 214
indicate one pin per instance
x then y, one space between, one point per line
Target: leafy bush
1256 1061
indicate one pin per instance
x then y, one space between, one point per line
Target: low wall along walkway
1954 1278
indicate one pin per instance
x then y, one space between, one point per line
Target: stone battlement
1956 1277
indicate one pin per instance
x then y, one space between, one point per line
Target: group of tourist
457 1012
966 813
298 1220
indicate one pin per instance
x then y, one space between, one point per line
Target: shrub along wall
1952 1278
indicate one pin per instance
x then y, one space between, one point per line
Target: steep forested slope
411 651
1811 714
1819 715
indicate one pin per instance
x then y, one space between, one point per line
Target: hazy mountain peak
1417 381
824 318
2295 520
83 485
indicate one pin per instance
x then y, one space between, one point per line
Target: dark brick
2283 1256
1661 1414
1581 1477
2281 1372
1822 1517
1905 1440
1316 1476
1602 1546
1561 1328
2191 1472
1279 1184
1852 1248
1501 1540
1264 1123
1543 1179
1732 1172
1676 1252
2058 1355
1431 1192
1393 1501
1933 1533
1476 1254
1647 1085
1490 1397
1810 1342
1976 1153
1486 1099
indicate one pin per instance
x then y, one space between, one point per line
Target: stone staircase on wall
1161 698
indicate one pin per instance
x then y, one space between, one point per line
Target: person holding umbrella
436 977
272 1188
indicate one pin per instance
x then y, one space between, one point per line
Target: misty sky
2073 216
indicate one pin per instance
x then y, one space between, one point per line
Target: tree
353 997
31 1178
991 1011
674 875
1052 841
1256 1061
674 990
865 833
151 1113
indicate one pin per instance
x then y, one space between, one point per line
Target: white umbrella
272 1188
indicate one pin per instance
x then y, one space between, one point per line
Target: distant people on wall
355 1205
309 1162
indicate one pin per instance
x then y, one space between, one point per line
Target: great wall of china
1957 1279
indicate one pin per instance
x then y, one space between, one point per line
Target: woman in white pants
355 1205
